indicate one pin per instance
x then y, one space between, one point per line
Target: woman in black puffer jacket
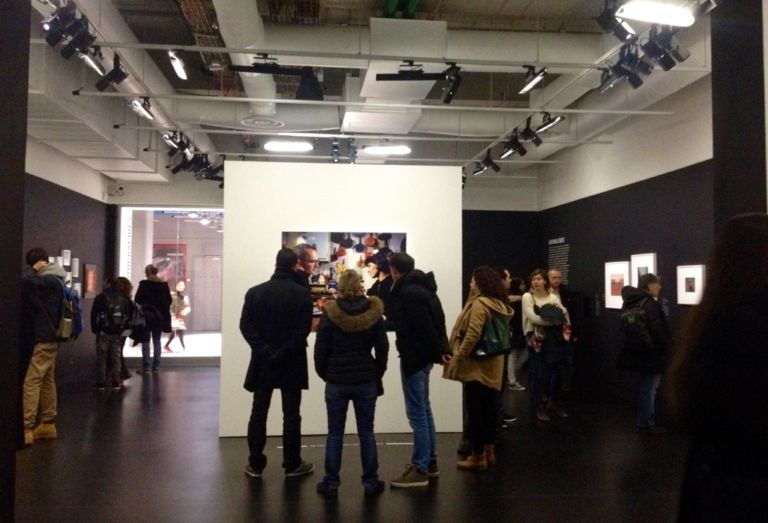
350 327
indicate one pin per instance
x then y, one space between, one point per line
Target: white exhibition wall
263 199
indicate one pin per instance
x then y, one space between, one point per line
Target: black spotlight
664 48
530 134
610 24
114 77
479 168
513 146
488 161
309 86
81 39
454 81
57 26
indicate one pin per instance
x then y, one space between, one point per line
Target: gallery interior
524 134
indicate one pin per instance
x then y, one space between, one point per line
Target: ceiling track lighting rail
423 107
435 161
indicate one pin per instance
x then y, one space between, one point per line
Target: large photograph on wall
367 253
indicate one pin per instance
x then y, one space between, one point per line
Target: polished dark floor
151 453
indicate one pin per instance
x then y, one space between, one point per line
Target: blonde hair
349 285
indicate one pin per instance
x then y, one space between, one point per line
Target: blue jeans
419 412
145 351
646 400
337 398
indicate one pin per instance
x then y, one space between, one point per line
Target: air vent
261 122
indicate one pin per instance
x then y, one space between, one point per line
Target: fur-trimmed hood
355 315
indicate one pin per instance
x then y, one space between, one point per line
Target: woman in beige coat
482 378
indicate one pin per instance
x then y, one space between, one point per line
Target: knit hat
349 283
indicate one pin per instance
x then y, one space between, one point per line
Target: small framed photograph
78 288
690 284
75 267
616 278
66 257
60 261
90 280
642 264
51 259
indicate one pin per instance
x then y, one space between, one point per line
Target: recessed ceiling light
386 150
288 146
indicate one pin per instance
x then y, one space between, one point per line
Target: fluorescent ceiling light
675 13
205 221
178 64
549 122
288 146
386 150
142 108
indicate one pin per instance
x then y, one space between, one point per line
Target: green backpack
495 340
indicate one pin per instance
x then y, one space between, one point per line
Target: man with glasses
307 263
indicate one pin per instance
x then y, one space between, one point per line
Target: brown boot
490 455
28 438
473 462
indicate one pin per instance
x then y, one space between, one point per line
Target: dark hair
737 272
646 280
35 255
539 272
286 259
514 286
124 286
489 282
150 269
402 262
502 272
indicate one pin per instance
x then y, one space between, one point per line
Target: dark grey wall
671 215
55 219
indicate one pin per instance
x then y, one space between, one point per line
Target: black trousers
481 413
257 428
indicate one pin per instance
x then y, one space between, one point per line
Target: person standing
43 294
350 327
275 321
180 309
110 315
308 261
518 356
482 378
422 341
154 297
646 345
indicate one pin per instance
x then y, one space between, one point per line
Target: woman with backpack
482 378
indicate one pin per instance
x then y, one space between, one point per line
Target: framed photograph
690 284
616 278
642 264
78 288
90 280
60 261
75 268
66 257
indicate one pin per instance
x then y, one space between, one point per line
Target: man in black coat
421 341
646 345
276 320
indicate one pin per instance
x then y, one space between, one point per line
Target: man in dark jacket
43 294
646 345
421 341
154 298
276 321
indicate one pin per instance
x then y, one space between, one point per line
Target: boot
473 462
45 431
490 455
28 438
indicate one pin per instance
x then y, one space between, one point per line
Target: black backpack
635 332
113 320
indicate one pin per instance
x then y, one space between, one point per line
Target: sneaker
142 371
302 470
375 491
117 387
411 477
509 418
542 415
252 472
433 471
327 491
516 386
